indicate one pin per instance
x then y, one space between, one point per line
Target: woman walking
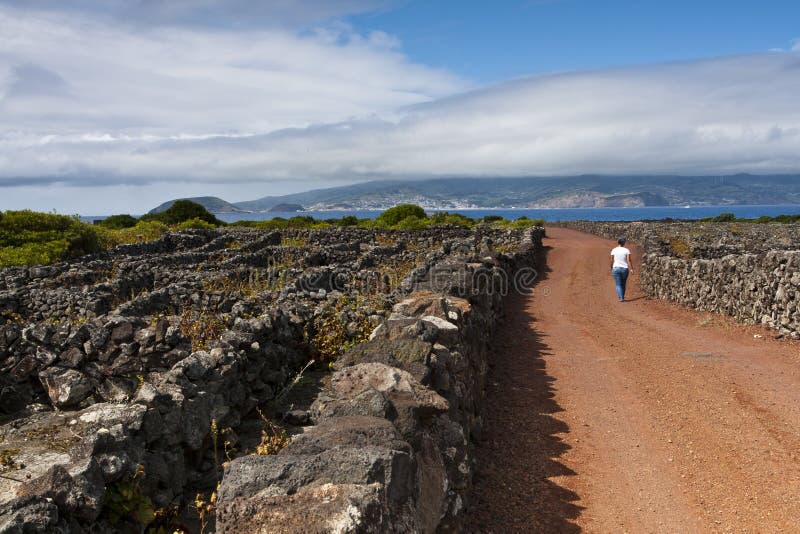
620 267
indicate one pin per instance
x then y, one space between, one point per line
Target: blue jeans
620 275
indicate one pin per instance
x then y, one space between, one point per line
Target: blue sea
558 214
549 214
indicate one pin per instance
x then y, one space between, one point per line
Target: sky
114 106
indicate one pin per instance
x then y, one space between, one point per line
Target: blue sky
493 41
117 106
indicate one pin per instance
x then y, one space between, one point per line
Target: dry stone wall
196 330
390 449
748 271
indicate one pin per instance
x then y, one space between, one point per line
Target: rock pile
748 271
121 370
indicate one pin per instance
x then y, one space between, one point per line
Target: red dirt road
639 416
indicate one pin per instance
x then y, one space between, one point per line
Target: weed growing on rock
7 461
201 327
395 270
166 521
296 241
110 274
273 439
59 439
679 247
386 239
205 508
7 316
249 284
338 328
214 440
227 447
285 391
79 320
125 502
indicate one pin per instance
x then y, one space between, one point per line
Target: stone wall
748 271
390 449
94 399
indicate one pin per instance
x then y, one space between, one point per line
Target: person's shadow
520 448
634 299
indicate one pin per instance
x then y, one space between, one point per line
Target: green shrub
451 219
29 238
124 502
492 218
34 253
724 217
195 224
143 231
521 222
301 221
411 223
274 223
271 224
118 222
349 220
393 216
787 218
244 224
280 223
728 217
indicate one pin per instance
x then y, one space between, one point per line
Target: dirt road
634 417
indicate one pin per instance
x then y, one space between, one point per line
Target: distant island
212 204
589 191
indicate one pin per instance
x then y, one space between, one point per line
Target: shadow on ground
520 447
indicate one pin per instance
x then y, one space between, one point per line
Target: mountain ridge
583 191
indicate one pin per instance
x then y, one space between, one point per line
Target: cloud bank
90 101
208 13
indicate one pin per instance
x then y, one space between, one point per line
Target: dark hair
621 240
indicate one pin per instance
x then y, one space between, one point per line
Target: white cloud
66 76
216 112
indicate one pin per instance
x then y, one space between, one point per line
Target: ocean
557 214
548 214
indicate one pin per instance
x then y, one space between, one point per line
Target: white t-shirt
620 257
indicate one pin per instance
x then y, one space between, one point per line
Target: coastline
548 214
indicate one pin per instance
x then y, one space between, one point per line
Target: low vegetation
338 328
764 219
403 217
139 233
32 238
